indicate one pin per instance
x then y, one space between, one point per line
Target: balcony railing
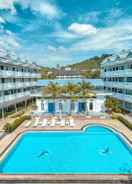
124 97
8 98
15 74
122 85
118 73
16 85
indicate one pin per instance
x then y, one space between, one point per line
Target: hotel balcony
122 85
15 74
14 98
16 85
118 73
123 97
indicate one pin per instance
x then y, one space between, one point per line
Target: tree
53 90
85 88
113 104
72 90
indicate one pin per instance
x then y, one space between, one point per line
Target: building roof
119 58
65 72
8 59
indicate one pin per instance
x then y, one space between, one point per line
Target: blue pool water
96 150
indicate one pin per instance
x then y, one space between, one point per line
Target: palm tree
72 90
113 104
52 90
85 88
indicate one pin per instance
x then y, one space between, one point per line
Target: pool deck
9 140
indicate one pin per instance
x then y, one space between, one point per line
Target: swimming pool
95 150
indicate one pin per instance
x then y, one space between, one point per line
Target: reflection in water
126 168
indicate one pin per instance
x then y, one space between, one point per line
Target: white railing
6 86
122 85
118 73
8 98
15 74
124 97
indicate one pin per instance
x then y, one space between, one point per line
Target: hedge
17 114
9 127
123 120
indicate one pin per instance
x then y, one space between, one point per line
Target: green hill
90 68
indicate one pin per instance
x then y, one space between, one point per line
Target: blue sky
52 32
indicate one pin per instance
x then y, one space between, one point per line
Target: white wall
98 105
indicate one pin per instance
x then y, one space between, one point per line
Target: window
60 106
129 79
2 67
72 106
42 106
91 106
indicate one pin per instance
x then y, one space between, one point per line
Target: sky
52 32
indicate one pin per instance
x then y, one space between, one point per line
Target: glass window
91 106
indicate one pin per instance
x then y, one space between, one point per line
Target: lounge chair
67 122
88 116
58 122
28 124
53 121
62 122
37 122
71 124
44 123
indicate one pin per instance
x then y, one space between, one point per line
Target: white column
76 107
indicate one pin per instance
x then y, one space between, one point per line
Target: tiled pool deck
8 141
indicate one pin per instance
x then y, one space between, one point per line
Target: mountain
89 68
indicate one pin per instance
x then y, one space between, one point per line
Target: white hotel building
18 81
116 72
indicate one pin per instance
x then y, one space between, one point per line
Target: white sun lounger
53 122
62 122
28 124
88 116
58 122
44 123
37 122
71 122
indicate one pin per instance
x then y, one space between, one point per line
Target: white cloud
92 16
8 4
8 40
2 21
111 38
44 7
82 29
47 9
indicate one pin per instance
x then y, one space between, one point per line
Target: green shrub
113 105
17 114
9 127
114 115
125 121
122 119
